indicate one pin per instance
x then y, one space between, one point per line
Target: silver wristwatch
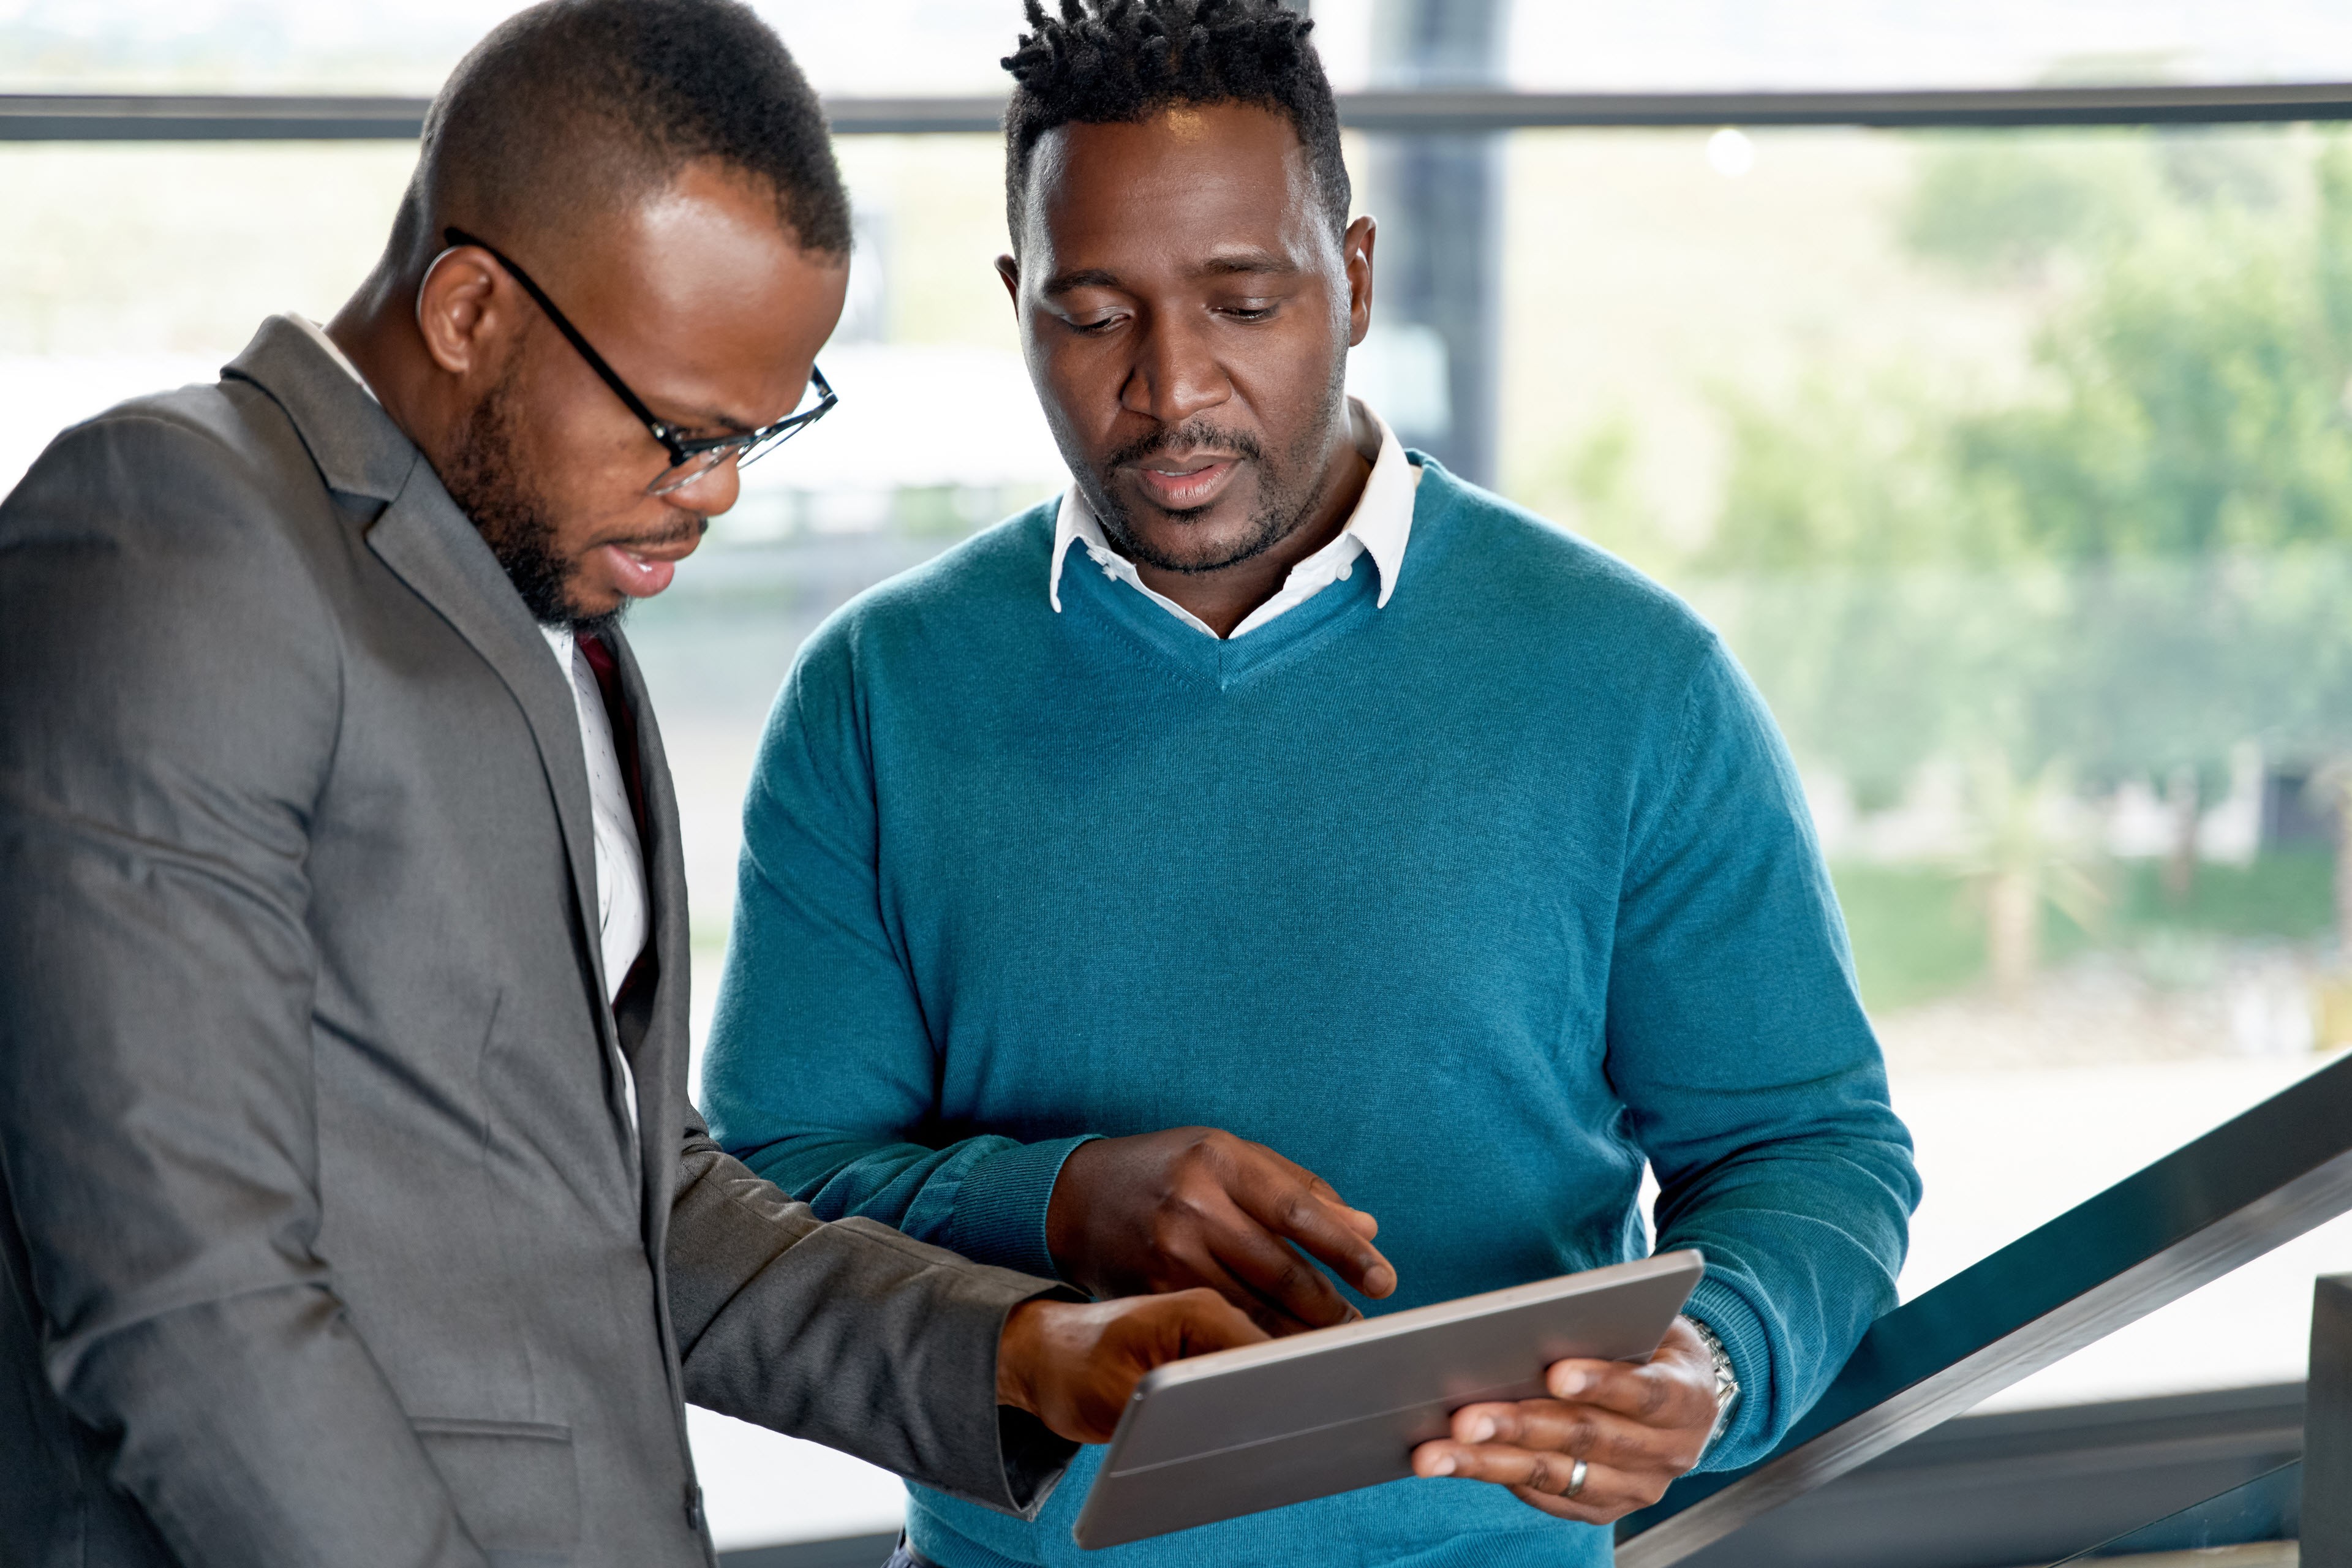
1726 1382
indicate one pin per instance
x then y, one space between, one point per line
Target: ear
1356 252
466 310
1009 269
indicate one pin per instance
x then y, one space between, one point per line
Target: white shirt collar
319 336
1380 527
561 643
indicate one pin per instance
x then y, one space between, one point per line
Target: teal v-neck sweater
1470 903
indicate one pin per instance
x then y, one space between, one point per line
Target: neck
1223 599
376 329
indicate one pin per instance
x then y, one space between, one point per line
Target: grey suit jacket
326 1239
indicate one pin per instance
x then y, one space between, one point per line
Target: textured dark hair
1108 62
572 108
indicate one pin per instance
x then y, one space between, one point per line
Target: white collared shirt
623 906
1380 527
621 903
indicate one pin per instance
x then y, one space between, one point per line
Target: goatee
486 478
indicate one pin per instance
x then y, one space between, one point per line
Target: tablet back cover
1241 1431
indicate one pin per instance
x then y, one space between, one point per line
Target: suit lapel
654 1027
431 546
654 1036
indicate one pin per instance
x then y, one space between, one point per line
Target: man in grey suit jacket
355 1210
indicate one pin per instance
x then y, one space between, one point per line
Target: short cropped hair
571 109
1109 62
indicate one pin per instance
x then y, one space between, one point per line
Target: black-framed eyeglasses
690 456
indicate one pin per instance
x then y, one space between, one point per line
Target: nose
714 491
1175 374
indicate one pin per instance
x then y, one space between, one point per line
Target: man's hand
1636 1427
1075 1367
1168 1211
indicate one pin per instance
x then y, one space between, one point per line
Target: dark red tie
624 724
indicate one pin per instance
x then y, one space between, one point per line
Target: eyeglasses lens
761 448
679 475
814 405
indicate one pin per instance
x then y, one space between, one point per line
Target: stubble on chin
1287 493
488 478
1273 520
1270 523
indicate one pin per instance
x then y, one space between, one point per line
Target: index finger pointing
1294 1203
1358 1220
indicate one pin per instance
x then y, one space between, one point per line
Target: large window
2016 466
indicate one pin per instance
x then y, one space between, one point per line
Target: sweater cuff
1000 1206
1735 1322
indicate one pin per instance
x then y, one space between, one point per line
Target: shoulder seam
322 599
1677 799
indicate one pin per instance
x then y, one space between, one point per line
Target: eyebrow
1236 264
1247 261
1083 277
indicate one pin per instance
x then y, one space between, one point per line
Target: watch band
1726 1382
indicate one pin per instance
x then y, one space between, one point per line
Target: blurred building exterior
1439 260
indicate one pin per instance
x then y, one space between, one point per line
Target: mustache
684 528
1192 433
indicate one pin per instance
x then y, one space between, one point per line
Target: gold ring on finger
1576 1474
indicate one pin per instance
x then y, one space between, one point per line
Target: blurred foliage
2021 856
2138 562
2135 567
2191 394
2284 893
1915 938
1595 474
2003 208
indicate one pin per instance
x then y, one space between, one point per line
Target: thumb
1206 1321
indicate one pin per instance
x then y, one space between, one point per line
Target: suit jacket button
693 1506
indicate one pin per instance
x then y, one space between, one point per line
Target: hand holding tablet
1607 1439
1268 1424
1075 1366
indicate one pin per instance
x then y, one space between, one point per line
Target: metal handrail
1430 111
215 117
2248 1186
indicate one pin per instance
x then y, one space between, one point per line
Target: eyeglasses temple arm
571 335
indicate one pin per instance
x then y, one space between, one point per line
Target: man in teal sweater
1275 813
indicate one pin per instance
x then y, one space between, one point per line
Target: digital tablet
1331 1410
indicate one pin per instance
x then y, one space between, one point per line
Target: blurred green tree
2137 566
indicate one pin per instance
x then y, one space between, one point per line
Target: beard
489 481
1288 490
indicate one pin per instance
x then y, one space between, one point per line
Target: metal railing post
2249 1185
2327 1428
